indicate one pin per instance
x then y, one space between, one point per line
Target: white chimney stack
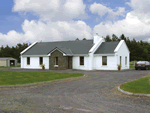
96 38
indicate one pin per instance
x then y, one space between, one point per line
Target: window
104 60
125 60
41 60
56 60
120 60
28 60
81 60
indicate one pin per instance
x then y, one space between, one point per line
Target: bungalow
93 54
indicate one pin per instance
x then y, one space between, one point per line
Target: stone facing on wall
62 61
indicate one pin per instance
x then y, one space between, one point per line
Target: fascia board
80 55
92 49
104 54
28 47
58 50
33 55
118 46
127 47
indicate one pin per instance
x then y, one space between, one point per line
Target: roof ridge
70 51
68 41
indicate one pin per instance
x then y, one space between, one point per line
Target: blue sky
56 20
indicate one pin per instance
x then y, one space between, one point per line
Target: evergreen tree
77 38
114 37
84 39
107 39
122 37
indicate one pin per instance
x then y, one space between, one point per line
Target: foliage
42 65
77 38
119 65
84 39
21 77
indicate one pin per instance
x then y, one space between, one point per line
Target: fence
132 63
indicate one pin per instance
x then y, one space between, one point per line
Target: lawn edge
129 93
40 83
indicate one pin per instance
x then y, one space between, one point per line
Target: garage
7 61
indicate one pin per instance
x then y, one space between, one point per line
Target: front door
69 62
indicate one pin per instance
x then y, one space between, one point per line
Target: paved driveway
94 94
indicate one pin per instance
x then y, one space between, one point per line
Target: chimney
96 38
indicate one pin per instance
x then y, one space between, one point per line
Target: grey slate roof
107 47
5 58
71 47
68 47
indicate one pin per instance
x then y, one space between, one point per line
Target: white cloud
130 26
11 38
58 15
54 10
141 9
102 10
50 31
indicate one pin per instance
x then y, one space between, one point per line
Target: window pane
81 60
28 60
56 61
104 60
126 61
41 60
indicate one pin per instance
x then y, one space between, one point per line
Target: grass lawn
10 66
19 77
131 67
141 85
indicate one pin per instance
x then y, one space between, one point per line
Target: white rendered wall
123 52
111 63
76 63
34 62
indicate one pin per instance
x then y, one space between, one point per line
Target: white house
93 54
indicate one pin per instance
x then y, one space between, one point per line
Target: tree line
13 51
139 50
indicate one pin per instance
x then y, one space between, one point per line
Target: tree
122 37
114 37
77 38
84 39
107 39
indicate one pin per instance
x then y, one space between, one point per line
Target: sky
24 21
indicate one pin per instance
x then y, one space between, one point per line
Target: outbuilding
8 61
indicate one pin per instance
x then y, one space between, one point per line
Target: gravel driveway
95 94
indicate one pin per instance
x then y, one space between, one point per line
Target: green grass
131 67
19 77
10 66
141 85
